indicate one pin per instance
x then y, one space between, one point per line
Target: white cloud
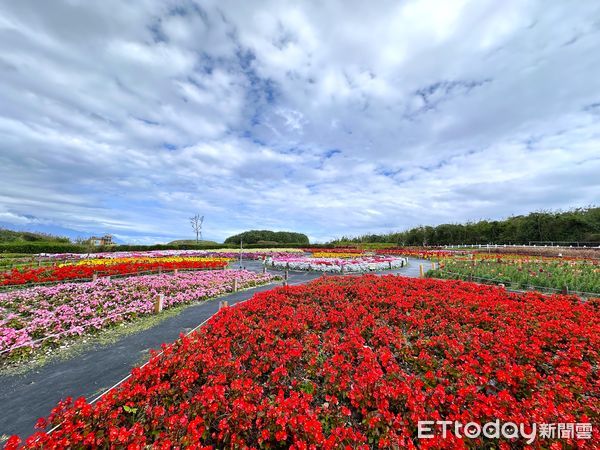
324 117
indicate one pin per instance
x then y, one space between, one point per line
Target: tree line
267 237
578 225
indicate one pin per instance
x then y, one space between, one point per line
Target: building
104 240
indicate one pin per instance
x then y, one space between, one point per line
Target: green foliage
44 247
27 236
577 276
256 236
40 247
192 242
578 225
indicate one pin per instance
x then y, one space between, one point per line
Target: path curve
26 397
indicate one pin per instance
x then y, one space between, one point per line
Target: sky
328 118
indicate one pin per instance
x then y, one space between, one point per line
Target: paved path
26 397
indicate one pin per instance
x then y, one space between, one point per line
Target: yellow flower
164 259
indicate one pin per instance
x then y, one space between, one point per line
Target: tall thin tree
196 222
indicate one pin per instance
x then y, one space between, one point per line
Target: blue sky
327 118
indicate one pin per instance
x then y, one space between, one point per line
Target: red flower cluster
86 271
355 362
415 252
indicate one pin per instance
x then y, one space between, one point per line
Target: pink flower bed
41 316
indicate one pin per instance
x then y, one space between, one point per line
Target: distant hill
11 236
275 237
192 242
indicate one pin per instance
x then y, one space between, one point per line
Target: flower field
85 269
250 253
515 257
141 259
51 259
519 273
551 252
42 316
328 254
355 362
337 264
336 250
416 252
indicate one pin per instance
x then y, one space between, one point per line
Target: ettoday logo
427 429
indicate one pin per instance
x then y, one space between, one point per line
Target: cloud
328 118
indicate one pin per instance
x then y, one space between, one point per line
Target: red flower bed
355 362
86 271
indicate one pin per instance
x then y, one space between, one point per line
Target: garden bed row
570 276
355 362
87 270
42 317
355 264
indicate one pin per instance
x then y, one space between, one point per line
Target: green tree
280 237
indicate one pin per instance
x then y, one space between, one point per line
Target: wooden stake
235 285
421 271
159 303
